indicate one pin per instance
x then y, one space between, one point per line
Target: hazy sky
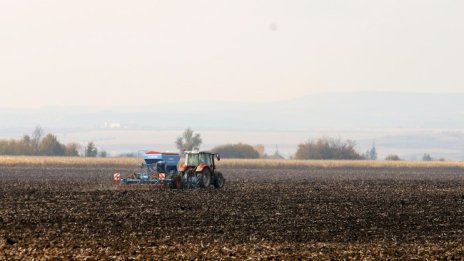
113 52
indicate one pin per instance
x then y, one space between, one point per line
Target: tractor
161 168
198 170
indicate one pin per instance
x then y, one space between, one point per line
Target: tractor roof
198 152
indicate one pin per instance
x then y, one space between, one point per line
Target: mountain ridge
358 110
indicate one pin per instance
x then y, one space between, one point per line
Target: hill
329 111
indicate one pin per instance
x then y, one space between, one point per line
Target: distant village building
112 125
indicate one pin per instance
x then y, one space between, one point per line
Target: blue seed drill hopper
157 169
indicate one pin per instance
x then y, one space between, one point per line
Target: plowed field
288 213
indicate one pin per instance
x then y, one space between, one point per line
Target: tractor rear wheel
219 180
204 178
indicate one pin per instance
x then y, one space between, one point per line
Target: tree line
324 148
190 141
319 149
41 144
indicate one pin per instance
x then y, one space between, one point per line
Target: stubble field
338 211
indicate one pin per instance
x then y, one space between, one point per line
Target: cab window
205 158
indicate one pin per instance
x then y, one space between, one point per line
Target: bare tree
36 138
188 141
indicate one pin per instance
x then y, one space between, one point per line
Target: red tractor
199 170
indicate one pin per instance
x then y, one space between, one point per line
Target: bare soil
76 212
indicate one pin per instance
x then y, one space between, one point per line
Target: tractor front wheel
204 178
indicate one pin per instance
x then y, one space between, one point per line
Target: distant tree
372 153
260 149
72 149
102 154
128 155
393 157
50 146
26 145
16 147
91 150
3 147
327 148
27 139
13 147
36 139
237 151
188 141
426 157
37 144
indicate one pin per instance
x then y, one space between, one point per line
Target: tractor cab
195 158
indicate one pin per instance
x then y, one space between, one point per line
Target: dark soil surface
75 212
